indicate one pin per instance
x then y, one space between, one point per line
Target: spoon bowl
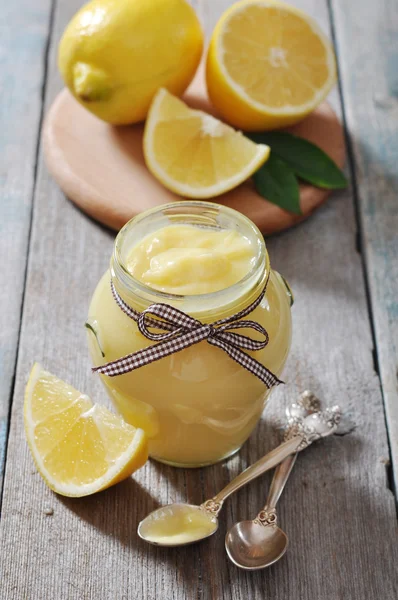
177 525
252 546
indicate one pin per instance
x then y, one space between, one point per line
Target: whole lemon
115 54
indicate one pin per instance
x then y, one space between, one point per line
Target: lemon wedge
268 65
79 447
194 154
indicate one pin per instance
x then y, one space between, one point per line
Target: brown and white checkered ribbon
179 331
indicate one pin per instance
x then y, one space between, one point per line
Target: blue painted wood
367 39
24 29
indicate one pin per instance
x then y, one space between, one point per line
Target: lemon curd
177 524
187 260
197 406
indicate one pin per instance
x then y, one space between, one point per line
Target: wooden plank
367 35
337 510
23 37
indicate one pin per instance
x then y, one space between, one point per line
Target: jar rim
203 214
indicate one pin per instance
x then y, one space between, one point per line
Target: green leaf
276 182
307 160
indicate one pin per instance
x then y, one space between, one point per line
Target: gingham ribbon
179 331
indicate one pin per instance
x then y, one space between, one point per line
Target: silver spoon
272 541
259 543
180 524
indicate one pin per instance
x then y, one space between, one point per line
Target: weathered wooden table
339 508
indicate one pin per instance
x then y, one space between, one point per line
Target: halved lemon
194 154
79 447
269 65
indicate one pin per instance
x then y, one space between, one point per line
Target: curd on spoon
177 524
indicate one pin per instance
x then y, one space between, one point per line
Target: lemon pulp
79 447
268 65
194 154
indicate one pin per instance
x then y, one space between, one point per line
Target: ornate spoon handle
299 435
268 516
267 462
306 405
310 426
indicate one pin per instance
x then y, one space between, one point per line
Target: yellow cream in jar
198 405
188 260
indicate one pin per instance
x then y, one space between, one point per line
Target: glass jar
197 406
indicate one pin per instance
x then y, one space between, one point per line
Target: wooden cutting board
101 168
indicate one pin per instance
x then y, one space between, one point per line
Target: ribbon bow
175 331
